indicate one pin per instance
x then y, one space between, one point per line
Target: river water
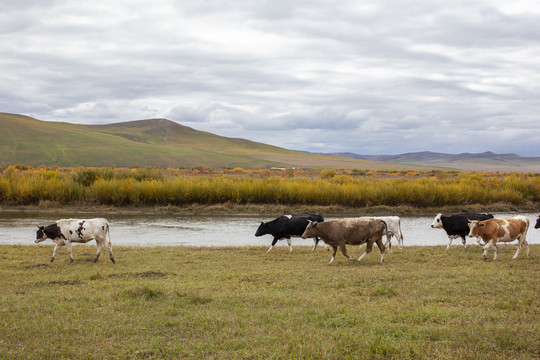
19 228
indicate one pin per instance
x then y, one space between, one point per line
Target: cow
457 226
67 231
537 225
349 231
393 223
287 226
505 230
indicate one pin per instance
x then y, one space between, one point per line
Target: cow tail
400 233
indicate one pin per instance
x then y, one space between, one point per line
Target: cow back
458 224
287 225
350 231
83 230
505 230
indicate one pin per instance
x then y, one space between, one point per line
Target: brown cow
351 231
501 230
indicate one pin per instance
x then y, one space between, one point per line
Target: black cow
287 226
537 225
457 226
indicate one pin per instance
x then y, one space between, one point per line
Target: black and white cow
67 231
457 226
537 225
287 226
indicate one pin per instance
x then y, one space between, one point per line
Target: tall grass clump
152 186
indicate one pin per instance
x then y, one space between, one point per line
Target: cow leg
290 245
450 238
495 251
273 243
369 247
316 240
343 248
520 242
99 249
68 246
381 247
389 242
109 250
478 241
333 254
464 241
55 251
363 255
486 248
399 237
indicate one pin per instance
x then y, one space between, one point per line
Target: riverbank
230 209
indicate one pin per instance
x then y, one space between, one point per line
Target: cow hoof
114 262
52 259
70 260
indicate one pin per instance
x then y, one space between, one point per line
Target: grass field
226 303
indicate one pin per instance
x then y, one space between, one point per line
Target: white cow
67 231
393 224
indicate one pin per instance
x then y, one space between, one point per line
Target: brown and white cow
504 230
350 231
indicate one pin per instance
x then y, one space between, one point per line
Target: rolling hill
153 142
481 161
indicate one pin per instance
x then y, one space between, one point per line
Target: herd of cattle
335 233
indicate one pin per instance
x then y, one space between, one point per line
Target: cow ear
314 224
481 224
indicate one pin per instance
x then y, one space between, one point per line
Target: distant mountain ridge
464 161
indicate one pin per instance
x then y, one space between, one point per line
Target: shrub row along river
166 230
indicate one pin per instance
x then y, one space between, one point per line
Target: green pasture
245 303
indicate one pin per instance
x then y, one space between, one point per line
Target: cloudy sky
369 77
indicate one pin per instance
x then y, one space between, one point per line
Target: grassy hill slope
155 142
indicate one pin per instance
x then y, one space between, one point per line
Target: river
19 228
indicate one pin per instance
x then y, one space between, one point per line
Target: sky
367 77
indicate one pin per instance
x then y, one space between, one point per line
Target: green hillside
155 142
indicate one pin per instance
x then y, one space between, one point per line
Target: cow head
537 226
437 222
311 230
261 230
475 227
40 235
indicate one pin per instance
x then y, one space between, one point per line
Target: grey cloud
317 75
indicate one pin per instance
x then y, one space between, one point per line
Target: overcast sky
369 77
